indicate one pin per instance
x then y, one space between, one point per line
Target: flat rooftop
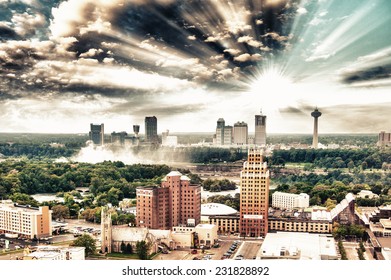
298 245
20 208
300 215
385 242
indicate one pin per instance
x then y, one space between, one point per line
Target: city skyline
66 64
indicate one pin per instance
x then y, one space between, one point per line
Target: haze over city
65 64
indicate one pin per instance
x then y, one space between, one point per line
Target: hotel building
175 203
25 221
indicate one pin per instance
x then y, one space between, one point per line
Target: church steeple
106 231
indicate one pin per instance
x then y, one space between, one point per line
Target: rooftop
386 223
206 226
174 173
210 209
303 246
300 214
9 205
129 234
342 205
385 242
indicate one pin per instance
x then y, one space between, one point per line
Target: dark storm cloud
107 91
7 33
139 108
371 74
5 96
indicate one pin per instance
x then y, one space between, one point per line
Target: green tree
129 249
68 199
142 249
330 204
23 199
123 247
87 242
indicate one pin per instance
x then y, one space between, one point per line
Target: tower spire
315 114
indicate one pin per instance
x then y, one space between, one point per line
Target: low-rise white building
289 200
366 194
56 253
299 246
201 235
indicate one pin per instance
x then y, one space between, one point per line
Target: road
248 249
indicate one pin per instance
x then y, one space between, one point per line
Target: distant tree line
108 182
38 151
232 201
334 158
218 185
190 154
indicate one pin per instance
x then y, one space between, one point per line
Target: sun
273 89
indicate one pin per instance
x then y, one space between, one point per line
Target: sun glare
273 89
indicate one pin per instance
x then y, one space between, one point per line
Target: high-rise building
25 221
220 131
384 139
151 129
118 138
260 130
240 133
176 202
97 134
315 114
254 195
228 134
136 130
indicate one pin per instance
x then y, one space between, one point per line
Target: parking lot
248 250
228 249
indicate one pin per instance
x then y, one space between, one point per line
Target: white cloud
250 41
148 45
74 17
232 51
276 36
301 11
212 39
91 53
177 62
26 24
191 37
248 57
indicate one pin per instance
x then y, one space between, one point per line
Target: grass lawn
122 256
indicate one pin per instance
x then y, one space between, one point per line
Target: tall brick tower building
254 196
176 202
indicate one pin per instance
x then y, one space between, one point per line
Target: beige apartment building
25 221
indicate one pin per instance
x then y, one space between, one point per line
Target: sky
66 64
